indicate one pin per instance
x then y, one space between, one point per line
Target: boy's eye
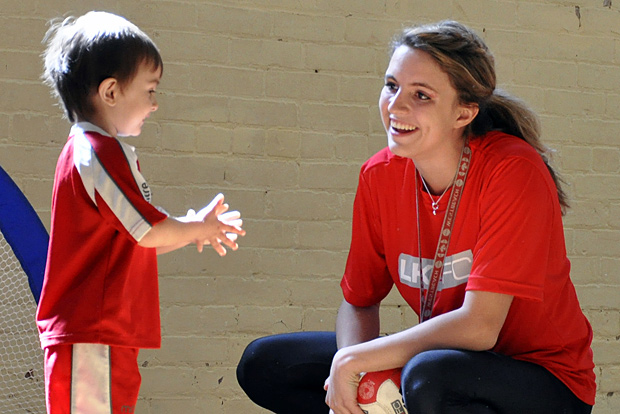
391 85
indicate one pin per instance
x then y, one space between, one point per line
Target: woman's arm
474 326
356 324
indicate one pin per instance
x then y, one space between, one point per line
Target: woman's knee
272 359
279 371
425 378
255 358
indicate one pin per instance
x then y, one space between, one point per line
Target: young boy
100 299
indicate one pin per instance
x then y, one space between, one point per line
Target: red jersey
100 286
507 238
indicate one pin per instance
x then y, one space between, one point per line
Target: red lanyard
427 301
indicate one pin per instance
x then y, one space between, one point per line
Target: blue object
23 230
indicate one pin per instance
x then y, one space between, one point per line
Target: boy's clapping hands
221 226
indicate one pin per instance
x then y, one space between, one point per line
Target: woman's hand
341 386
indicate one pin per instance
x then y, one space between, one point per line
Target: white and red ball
379 393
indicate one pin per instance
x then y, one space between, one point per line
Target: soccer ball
379 393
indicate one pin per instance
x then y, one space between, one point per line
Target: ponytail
506 113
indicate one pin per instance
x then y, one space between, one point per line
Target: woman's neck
438 173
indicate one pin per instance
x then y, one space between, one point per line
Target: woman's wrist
347 361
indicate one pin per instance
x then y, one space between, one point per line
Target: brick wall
274 104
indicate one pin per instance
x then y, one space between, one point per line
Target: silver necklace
435 204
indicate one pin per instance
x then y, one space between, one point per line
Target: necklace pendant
435 207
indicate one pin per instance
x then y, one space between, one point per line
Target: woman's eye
422 96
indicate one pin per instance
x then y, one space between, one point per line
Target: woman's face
419 106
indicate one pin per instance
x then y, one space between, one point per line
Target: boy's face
136 101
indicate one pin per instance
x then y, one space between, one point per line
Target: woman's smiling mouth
401 127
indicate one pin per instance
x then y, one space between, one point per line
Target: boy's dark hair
83 52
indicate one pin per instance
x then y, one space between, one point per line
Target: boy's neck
99 123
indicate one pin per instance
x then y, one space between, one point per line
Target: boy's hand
216 203
222 227
200 215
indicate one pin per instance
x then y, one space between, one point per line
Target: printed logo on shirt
146 191
456 270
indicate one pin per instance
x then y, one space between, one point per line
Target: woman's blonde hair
469 64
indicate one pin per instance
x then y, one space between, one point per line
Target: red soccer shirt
100 286
507 238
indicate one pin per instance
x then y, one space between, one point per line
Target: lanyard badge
427 298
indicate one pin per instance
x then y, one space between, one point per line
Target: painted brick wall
273 102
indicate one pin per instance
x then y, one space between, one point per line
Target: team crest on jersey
455 271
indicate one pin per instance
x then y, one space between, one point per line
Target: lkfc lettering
455 271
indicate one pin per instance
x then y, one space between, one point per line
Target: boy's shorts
91 379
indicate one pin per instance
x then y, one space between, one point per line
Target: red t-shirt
100 286
507 238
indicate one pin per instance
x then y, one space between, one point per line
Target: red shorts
91 379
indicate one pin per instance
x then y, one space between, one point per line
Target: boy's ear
108 91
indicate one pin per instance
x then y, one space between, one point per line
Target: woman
463 199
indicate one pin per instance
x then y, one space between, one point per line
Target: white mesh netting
22 388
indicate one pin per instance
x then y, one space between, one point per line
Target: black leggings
285 374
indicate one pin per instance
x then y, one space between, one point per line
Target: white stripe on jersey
90 379
97 180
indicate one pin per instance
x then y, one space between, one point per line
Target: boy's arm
172 234
153 238
167 249
211 227
230 237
